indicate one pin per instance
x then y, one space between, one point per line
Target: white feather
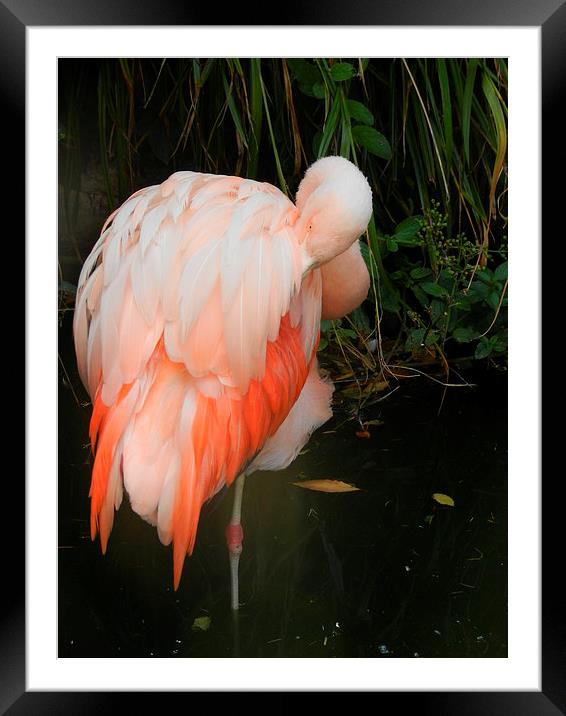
150 225
197 280
146 278
111 256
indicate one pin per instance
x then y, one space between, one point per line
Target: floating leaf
201 624
327 485
443 499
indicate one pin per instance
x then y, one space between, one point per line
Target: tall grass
430 135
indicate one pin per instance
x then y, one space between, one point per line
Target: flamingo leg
234 539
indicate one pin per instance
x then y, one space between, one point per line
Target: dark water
385 572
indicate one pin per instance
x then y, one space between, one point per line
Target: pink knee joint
234 537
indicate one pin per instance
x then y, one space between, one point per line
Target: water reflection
384 572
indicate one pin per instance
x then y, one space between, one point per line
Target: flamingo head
335 204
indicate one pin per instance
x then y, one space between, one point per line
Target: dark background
13 83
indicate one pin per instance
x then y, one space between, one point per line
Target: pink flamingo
196 327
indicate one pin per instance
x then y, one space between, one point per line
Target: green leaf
392 244
437 311
372 140
464 334
419 337
492 300
399 275
462 303
433 289
443 499
342 71
499 342
408 229
415 338
421 296
359 111
485 276
501 272
318 90
306 73
478 292
345 333
483 349
390 300
420 272
360 320
201 624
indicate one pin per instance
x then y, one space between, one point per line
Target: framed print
60 654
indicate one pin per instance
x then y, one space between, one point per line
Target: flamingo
196 328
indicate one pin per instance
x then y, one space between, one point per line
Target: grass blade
446 112
234 112
329 127
501 133
467 106
280 175
256 112
427 118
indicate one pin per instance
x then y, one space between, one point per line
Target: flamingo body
196 327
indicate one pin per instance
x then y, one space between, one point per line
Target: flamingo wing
195 332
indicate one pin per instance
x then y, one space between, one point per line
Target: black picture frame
550 16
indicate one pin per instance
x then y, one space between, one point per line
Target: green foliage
451 299
430 135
